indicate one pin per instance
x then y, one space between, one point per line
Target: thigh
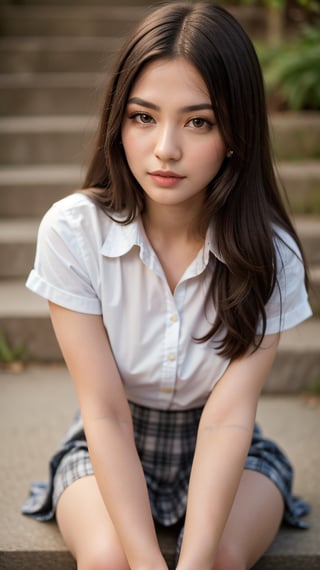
253 522
86 527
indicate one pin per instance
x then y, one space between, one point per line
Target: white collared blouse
91 264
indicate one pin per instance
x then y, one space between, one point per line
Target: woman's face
169 133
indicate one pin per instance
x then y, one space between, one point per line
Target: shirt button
174 318
171 357
166 390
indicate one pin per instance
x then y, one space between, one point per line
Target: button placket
171 345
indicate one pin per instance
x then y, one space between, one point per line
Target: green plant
284 17
292 71
8 354
310 5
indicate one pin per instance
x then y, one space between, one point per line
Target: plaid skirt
165 441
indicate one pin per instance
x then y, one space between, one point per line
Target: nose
168 145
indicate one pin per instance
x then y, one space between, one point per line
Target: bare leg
87 528
253 523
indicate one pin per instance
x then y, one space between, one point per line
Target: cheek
125 140
212 156
219 148
128 148
133 146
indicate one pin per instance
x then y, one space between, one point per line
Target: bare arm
109 432
224 437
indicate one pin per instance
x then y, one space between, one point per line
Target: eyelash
139 115
205 122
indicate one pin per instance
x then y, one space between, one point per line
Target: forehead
168 78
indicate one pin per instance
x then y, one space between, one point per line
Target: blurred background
54 61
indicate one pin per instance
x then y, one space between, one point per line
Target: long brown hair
243 202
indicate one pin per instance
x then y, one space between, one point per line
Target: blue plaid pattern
165 442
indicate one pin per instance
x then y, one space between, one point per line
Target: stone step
314 293
18 239
44 94
302 184
25 322
86 3
36 408
308 229
98 19
45 140
57 54
53 53
60 139
17 247
48 21
296 135
30 190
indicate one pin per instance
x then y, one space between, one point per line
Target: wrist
192 560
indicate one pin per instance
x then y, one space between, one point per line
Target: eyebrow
143 103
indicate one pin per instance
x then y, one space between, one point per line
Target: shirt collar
123 237
211 246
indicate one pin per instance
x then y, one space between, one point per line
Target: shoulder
286 249
76 216
290 266
75 207
288 304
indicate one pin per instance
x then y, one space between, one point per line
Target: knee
102 560
229 558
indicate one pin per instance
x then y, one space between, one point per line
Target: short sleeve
288 305
66 265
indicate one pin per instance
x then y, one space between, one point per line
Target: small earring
230 153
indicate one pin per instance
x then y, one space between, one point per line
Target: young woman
169 278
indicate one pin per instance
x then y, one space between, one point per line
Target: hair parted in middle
243 200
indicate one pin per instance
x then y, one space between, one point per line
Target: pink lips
165 178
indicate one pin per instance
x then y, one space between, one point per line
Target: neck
173 223
176 237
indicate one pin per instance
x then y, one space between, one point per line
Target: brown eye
200 123
143 118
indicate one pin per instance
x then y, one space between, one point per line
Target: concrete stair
26 191
54 65
46 94
57 53
64 20
52 18
54 62
36 407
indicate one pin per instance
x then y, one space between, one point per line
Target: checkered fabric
165 442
